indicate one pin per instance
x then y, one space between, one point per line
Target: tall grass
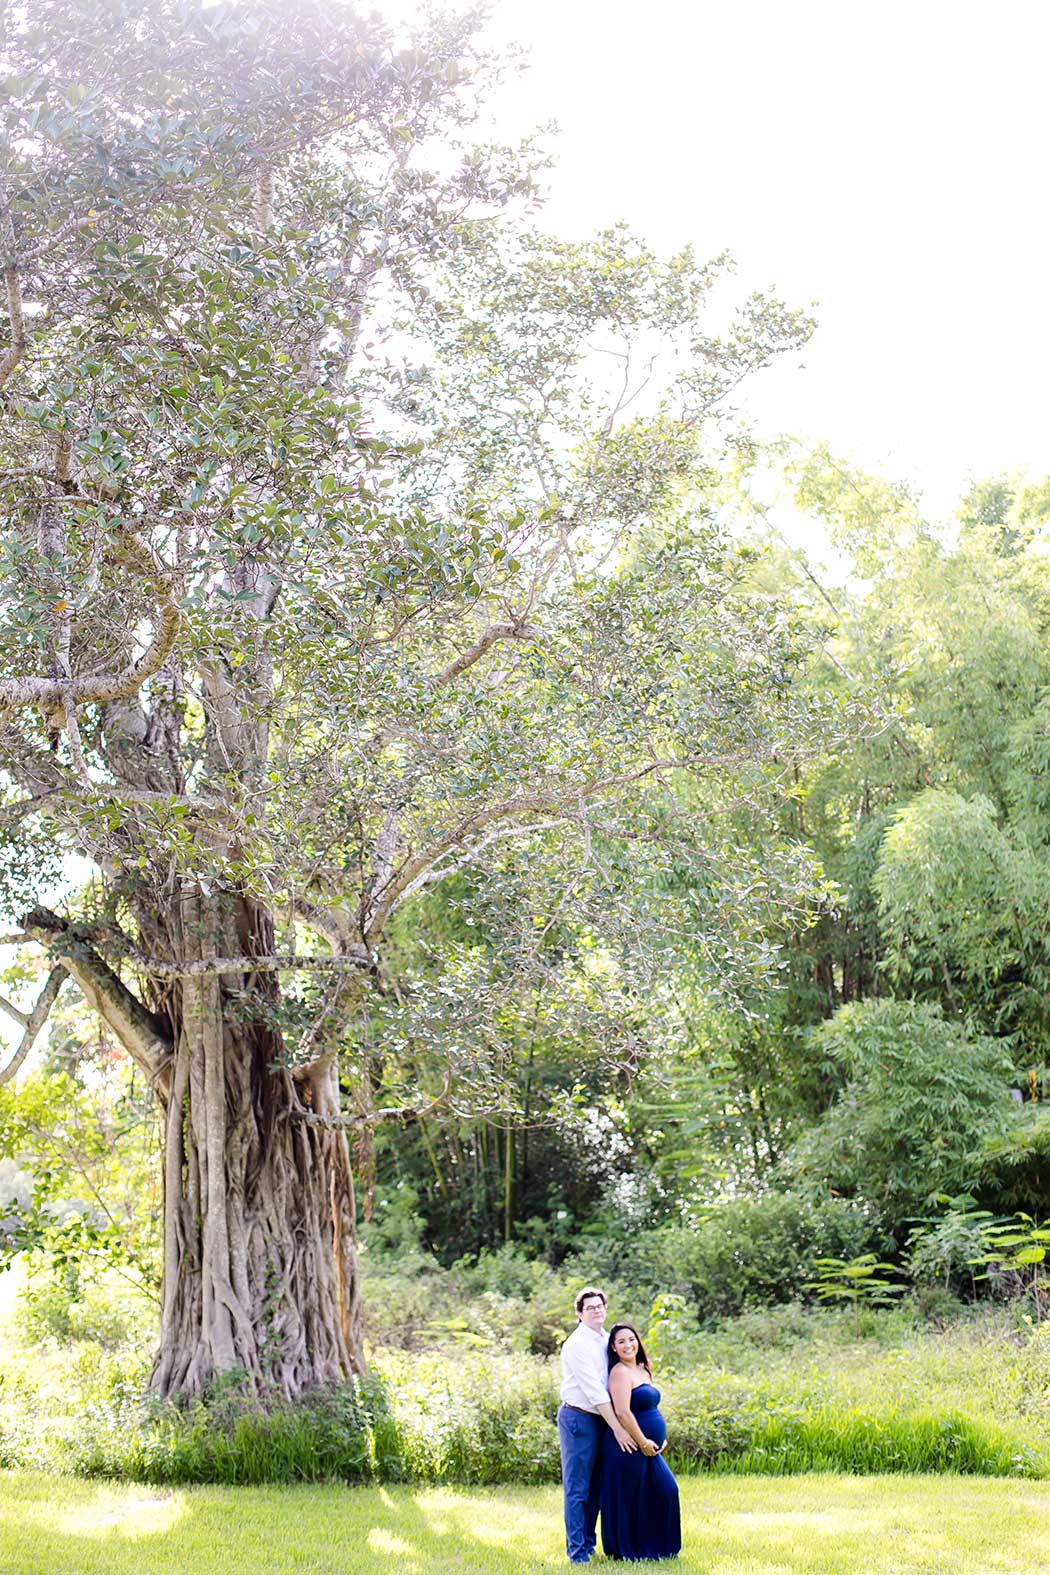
436 1420
863 1445
776 1391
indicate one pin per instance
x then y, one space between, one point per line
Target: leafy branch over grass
1015 1252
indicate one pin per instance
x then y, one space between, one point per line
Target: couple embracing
612 1438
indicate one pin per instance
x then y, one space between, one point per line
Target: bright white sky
888 162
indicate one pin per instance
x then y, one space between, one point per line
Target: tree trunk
508 1184
260 1270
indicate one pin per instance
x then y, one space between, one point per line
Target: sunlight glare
130 1518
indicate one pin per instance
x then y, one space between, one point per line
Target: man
582 1417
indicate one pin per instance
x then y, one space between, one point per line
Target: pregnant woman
639 1495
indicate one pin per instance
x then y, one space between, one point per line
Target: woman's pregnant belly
652 1424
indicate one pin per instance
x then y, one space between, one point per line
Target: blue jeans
580 1437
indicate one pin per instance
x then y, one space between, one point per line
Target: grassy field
818 1525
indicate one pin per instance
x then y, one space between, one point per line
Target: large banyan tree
353 534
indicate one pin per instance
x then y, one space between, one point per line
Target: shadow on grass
736 1526
50 1527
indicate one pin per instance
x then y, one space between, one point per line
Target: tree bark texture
260 1270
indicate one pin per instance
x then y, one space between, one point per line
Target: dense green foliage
888 1059
921 1094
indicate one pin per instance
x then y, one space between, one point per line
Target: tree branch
35 1021
17 348
60 695
13 1011
264 199
435 873
31 473
144 1034
285 962
79 221
415 872
556 803
494 632
330 922
373 1118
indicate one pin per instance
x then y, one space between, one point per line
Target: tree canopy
357 558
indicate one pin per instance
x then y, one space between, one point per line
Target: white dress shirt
585 1369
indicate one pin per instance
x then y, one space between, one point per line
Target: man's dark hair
586 1294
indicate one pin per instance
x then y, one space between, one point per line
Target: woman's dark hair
641 1358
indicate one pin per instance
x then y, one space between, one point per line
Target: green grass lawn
813 1525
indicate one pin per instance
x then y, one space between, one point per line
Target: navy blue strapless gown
640 1516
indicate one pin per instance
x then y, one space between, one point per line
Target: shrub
922 1095
929 1302
1012 1173
527 1305
947 1251
403 1304
746 1253
49 1309
672 1332
477 1419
